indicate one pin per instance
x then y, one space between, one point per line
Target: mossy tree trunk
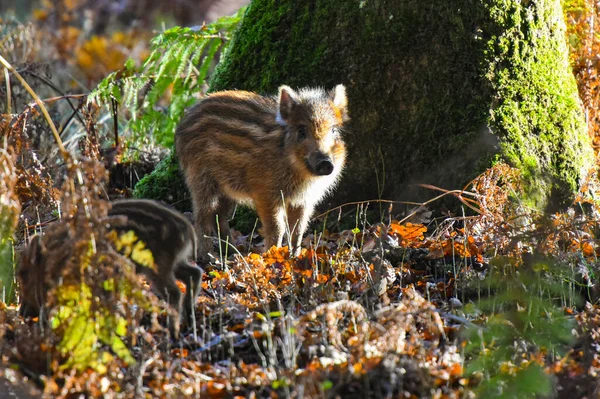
438 90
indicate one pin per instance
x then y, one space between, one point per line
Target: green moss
165 183
245 220
537 108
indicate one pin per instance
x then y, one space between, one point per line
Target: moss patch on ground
165 183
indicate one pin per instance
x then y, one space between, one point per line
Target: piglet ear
288 101
340 101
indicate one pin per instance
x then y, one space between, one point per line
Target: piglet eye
302 132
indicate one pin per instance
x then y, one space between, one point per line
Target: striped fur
281 154
172 240
168 234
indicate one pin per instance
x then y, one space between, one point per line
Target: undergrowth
487 303
10 208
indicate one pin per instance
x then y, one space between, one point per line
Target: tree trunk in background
438 90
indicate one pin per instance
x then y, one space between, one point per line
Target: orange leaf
182 286
277 255
588 249
257 334
239 327
180 352
352 276
40 15
254 256
408 232
216 389
456 370
306 273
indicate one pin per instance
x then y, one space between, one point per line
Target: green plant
165 183
6 257
10 208
522 327
86 327
245 219
157 93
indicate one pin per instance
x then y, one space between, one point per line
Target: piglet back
164 231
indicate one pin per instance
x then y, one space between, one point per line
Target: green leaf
533 381
7 270
82 330
130 64
121 329
206 63
109 285
280 383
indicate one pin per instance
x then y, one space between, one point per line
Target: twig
41 224
8 92
420 205
114 105
49 83
39 102
66 96
458 194
365 202
73 114
458 319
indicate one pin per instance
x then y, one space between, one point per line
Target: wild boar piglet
281 154
166 233
171 238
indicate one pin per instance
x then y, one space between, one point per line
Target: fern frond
157 93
